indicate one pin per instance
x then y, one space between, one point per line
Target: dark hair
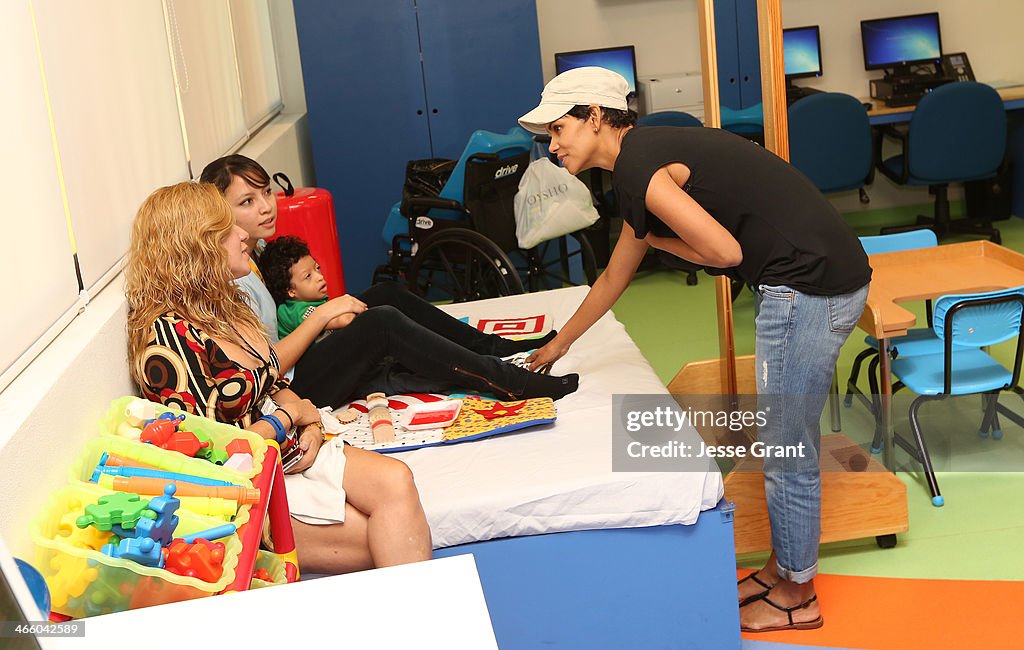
221 171
276 264
611 116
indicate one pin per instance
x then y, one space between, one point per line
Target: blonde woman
194 343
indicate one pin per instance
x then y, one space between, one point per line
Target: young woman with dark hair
396 343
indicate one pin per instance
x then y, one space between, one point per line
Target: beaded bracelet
280 433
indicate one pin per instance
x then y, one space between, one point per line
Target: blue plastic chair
965 324
919 340
668 118
830 142
957 133
747 122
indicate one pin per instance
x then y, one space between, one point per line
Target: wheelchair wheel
458 265
550 264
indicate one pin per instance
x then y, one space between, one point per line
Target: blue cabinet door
727 54
367 115
481 67
748 52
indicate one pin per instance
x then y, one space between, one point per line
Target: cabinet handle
419 112
434 111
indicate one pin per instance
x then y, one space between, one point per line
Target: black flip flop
803 625
758 596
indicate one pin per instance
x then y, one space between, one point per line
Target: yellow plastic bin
84 466
274 564
84 582
115 421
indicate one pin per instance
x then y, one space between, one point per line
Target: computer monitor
902 41
617 59
801 51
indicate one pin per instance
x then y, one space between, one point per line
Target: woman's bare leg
768 574
334 548
383 489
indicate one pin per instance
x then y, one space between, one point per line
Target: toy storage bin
85 464
220 434
274 564
84 582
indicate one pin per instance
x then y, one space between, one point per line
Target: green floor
977 535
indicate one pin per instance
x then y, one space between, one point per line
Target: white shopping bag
550 203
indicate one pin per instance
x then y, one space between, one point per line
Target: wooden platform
859 497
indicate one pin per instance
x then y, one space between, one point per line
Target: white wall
664 32
50 409
665 35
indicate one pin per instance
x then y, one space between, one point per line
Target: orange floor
898 613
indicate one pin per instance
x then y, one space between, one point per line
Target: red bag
308 213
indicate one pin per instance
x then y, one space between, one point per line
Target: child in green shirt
401 343
294 280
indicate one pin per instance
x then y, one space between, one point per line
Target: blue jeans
798 341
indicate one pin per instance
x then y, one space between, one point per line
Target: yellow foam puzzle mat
478 418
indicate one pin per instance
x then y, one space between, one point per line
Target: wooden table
923 274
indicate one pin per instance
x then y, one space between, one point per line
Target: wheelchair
452 237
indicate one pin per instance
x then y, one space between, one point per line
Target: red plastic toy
238 446
201 559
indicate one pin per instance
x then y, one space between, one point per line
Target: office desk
927 273
1013 98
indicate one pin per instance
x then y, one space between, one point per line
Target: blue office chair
830 142
747 122
920 340
668 118
957 133
965 323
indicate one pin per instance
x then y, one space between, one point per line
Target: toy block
73 576
142 550
238 446
201 559
215 456
126 430
240 463
123 509
161 529
139 411
122 532
184 442
158 432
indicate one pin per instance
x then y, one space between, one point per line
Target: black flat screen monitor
617 59
901 41
801 48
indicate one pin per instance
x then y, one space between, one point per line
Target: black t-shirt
789 233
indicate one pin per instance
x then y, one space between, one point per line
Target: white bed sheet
558 477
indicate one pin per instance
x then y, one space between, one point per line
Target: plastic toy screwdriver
142 472
151 486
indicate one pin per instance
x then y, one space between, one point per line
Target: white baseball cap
576 87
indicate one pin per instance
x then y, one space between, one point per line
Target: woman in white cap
718 200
